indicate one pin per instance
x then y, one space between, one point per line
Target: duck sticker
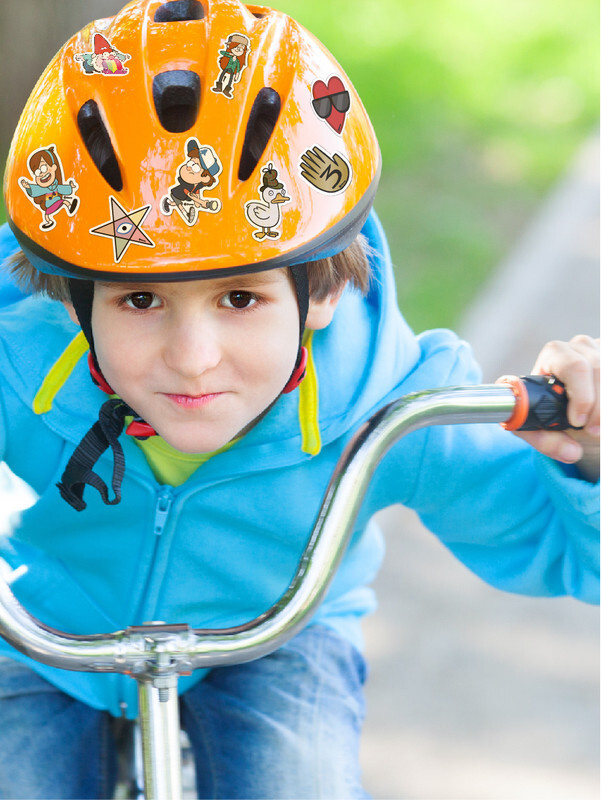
47 188
104 58
198 173
232 61
331 102
124 228
266 215
329 174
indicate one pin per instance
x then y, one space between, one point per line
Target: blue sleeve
517 519
9 292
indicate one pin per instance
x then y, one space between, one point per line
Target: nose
192 347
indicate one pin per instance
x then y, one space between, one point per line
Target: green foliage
478 106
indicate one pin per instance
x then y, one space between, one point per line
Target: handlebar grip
541 403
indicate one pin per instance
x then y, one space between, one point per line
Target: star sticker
124 228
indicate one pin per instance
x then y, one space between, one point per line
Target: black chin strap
103 434
301 284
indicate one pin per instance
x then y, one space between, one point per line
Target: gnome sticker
266 215
104 60
198 173
232 61
47 188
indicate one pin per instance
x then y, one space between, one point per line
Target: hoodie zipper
161 512
162 508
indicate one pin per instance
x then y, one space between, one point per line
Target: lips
193 401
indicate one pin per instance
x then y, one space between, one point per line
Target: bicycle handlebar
157 648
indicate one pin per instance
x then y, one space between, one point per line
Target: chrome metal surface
159 723
155 653
133 650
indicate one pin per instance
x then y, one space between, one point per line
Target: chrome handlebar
148 651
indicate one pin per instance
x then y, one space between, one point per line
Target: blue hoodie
222 547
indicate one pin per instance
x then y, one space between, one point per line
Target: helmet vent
179 11
176 95
261 122
98 142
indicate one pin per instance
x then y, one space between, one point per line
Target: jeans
284 726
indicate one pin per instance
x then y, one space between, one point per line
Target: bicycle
156 653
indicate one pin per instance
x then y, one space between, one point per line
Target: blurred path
476 694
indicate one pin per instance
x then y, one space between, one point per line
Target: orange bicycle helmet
189 139
183 140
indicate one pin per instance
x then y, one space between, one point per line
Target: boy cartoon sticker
104 60
266 215
48 189
198 173
331 101
330 174
232 62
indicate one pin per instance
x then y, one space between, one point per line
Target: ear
321 311
71 312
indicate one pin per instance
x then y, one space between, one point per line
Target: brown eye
142 300
238 299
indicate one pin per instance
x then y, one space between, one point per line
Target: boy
208 345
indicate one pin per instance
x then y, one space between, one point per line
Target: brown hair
327 276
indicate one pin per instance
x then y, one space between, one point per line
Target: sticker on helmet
199 172
331 102
104 58
124 228
48 189
266 215
232 61
330 174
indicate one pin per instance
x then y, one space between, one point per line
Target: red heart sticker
331 101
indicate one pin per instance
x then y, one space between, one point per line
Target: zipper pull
161 512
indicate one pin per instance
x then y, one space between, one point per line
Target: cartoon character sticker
266 215
124 228
198 173
232 62
48 189
330 174
331 101
104 58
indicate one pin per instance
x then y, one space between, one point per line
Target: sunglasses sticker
266 215
331 102
330 174
104 58
198 173
232 61
47 188
124 228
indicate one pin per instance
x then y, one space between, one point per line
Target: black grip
547 403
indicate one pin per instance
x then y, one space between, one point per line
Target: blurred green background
479 106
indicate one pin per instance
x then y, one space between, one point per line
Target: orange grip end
522 404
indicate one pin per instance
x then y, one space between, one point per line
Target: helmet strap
300 278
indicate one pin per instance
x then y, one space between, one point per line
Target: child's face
201 360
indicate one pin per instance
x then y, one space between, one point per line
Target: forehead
252 281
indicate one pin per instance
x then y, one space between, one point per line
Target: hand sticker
330 174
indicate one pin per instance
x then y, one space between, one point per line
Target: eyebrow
248 279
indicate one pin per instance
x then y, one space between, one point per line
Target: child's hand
576 363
